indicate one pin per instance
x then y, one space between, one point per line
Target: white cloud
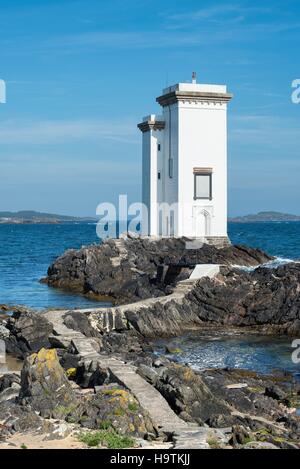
278 133
217 11
131 40
53 132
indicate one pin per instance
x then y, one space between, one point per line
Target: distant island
32 217
265 217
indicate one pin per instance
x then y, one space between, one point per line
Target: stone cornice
151 125
193 96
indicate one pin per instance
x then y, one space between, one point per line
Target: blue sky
81 74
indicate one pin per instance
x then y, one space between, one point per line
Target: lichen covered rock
44 385
115 407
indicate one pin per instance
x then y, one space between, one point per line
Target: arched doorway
202 222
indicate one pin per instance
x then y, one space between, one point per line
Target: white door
201 222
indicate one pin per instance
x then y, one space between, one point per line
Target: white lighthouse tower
185 163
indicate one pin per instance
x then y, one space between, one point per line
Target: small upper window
203 185
158 147
171 168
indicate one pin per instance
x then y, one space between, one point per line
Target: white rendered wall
149 185
202 143
169 185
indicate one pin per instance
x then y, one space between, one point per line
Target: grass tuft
109 438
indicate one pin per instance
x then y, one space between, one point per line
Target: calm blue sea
26 251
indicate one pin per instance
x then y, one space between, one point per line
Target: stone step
85 349
205 270
149 398
192 439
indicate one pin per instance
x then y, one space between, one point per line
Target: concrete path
104 319
205 270
185 435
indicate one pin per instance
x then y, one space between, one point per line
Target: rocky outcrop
266 300
186 392
126 269
27 332
115 407
44 393
21 419
104 374
215 408
238 399
44 385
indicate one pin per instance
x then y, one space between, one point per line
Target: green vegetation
109 438
23 446
174 351
105 425
133 406
63 411
213 443
257 389
264 431
119 412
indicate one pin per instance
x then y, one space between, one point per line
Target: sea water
26 251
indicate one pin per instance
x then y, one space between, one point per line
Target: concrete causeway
184 435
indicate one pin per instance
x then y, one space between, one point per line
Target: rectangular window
158 175
158 147
171 168
203 185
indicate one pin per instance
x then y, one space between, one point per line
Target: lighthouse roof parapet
194 92
152 122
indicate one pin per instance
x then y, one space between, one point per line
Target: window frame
203 173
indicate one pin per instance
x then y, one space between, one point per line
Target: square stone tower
185 163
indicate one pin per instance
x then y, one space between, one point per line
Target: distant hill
33 217
265 216
30 216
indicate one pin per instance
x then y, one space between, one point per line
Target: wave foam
277 262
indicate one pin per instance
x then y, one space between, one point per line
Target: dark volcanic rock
90 374
28 332
129 273
9 380
20 419
79 322
186 392
224 398
267 299
124 343
257 417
